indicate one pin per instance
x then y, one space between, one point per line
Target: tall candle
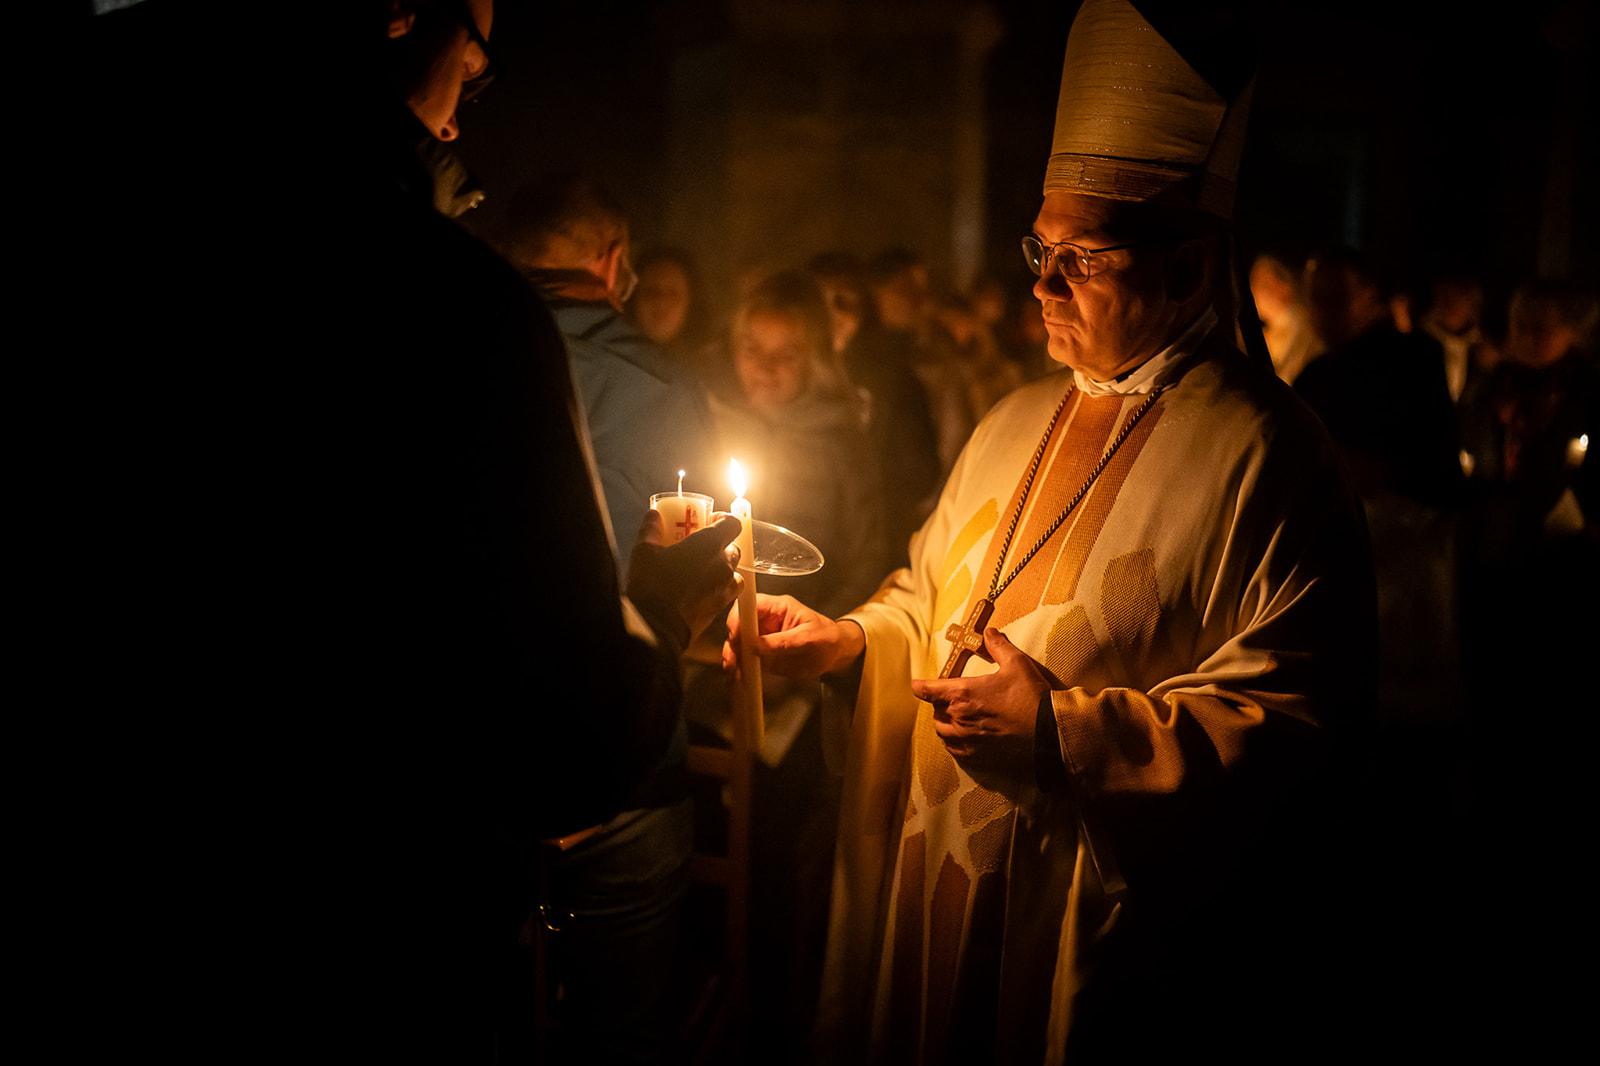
749 661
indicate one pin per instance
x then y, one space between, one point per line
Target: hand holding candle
681 588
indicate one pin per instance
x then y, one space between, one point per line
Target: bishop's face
1119 317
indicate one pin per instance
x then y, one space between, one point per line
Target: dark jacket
1384 399
813 471
1519 425
901 430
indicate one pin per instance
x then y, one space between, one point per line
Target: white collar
1144 377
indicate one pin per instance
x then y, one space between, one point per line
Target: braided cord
996 586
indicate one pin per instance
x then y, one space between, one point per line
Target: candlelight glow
1583 442
737 478
680 481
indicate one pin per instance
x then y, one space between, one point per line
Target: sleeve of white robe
1284 658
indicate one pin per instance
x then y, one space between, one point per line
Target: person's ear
1187 270
611 265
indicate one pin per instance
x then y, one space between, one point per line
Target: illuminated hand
796 641
989 719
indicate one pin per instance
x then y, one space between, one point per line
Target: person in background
1527 423
1381 393
901 290
647 416
1383 397
986 375
668 306
991 304
1285 318
1032 341
804 439
880 360
802 436
1455 310
1532 594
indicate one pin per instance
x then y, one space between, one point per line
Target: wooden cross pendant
966 639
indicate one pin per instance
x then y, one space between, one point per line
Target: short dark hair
1358 265
892 262
558 204
1571 304
792 292
843 271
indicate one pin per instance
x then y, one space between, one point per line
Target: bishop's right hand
795 641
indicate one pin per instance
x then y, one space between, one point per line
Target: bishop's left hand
989 719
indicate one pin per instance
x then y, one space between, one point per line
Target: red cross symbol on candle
688 523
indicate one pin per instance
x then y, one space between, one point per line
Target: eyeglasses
471 87
1077 267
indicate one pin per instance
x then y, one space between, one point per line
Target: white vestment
1210 593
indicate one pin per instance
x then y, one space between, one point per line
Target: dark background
1431 135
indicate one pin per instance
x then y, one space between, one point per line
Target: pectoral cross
966 639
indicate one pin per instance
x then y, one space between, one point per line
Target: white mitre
1136 122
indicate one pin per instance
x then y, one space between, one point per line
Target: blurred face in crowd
1539 336
449 57
959 323
1127 311
661 302
1273 287
844 310
903 298
1343 304
989 303
772 356
1030 329
1456 306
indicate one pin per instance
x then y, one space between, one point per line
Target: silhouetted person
880 360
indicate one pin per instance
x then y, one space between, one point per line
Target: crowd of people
1466 430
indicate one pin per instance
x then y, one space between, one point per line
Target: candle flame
1583 442
680 481
737 478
